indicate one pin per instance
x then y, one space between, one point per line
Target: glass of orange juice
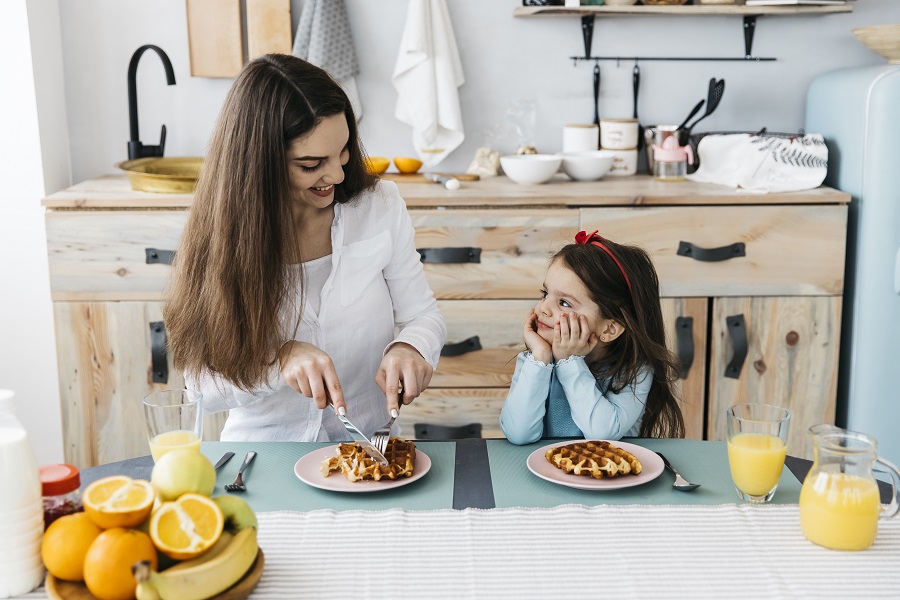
757 445
174 420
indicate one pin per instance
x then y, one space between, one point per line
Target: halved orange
407 165
376 165
186 527
118 501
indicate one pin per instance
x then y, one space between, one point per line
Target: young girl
597 365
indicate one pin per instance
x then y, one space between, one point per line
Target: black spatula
714 96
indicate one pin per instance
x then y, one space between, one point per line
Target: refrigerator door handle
897 273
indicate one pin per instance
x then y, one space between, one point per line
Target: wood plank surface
268 27
790 250
97 255
114 191
452 407
214 37
791 362
690 390
516 246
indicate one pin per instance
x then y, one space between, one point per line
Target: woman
295 267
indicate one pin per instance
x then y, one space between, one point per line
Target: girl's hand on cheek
540 349
571 337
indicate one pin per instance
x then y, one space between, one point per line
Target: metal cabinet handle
158 361
450 255
684 341
470 345
163 257
737 329
711 254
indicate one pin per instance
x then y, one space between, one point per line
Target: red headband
595 240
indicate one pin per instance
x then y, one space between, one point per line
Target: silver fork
383 434
238 484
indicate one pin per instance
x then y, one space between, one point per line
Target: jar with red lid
60 484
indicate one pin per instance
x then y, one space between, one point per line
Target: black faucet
135 148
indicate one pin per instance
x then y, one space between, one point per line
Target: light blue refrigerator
858 112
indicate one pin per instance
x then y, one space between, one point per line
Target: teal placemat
700 462
272 484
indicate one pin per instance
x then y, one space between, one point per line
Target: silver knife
359 438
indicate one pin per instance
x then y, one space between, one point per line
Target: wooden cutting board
214 37
268 27
419 178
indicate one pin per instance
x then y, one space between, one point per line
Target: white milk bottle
21 506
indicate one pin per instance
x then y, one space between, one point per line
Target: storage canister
670 160
62 497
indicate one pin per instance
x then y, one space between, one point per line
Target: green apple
181 471
238 514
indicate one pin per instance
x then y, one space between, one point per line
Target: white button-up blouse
375 295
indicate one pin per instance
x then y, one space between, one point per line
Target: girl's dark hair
229 281
644 341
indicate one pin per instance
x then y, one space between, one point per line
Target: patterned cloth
324 39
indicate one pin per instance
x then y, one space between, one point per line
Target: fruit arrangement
166 539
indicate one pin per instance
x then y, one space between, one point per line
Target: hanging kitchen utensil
596 94
636 81
714 96
693 112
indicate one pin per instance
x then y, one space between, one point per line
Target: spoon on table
681 484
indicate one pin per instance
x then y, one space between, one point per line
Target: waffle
597 459
356 465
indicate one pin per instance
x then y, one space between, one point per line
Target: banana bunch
211 573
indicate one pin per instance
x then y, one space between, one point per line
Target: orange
186 527
407 165
376 165
66 543
107 566
118 501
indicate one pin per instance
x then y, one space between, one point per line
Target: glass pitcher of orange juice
840 503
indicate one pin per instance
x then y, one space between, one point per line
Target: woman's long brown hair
229 280
644 341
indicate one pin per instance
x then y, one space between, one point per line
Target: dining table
477 521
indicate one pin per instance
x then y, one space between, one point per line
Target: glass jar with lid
60 484
670 160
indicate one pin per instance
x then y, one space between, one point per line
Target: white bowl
530 168
587 166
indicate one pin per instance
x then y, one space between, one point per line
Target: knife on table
359 438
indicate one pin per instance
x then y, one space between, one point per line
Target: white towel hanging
427 77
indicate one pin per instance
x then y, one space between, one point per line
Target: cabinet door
791 360
455 407
685 325
104 351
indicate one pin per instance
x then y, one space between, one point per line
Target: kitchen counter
114 191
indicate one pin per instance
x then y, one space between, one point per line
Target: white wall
34 161
504 59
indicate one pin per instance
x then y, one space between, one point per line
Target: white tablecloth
727 551
696 552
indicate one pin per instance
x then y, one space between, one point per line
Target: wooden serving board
419 178
57 589
268 27
214 37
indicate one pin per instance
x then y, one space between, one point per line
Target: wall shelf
749 14
682 10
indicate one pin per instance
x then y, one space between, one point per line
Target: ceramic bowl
587 166
530 168
881 39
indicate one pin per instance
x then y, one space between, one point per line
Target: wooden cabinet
485 249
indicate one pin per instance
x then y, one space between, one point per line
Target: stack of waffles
356 465
598 459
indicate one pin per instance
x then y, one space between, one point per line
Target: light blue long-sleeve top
566 400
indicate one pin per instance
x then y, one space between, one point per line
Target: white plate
309 470
543 468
